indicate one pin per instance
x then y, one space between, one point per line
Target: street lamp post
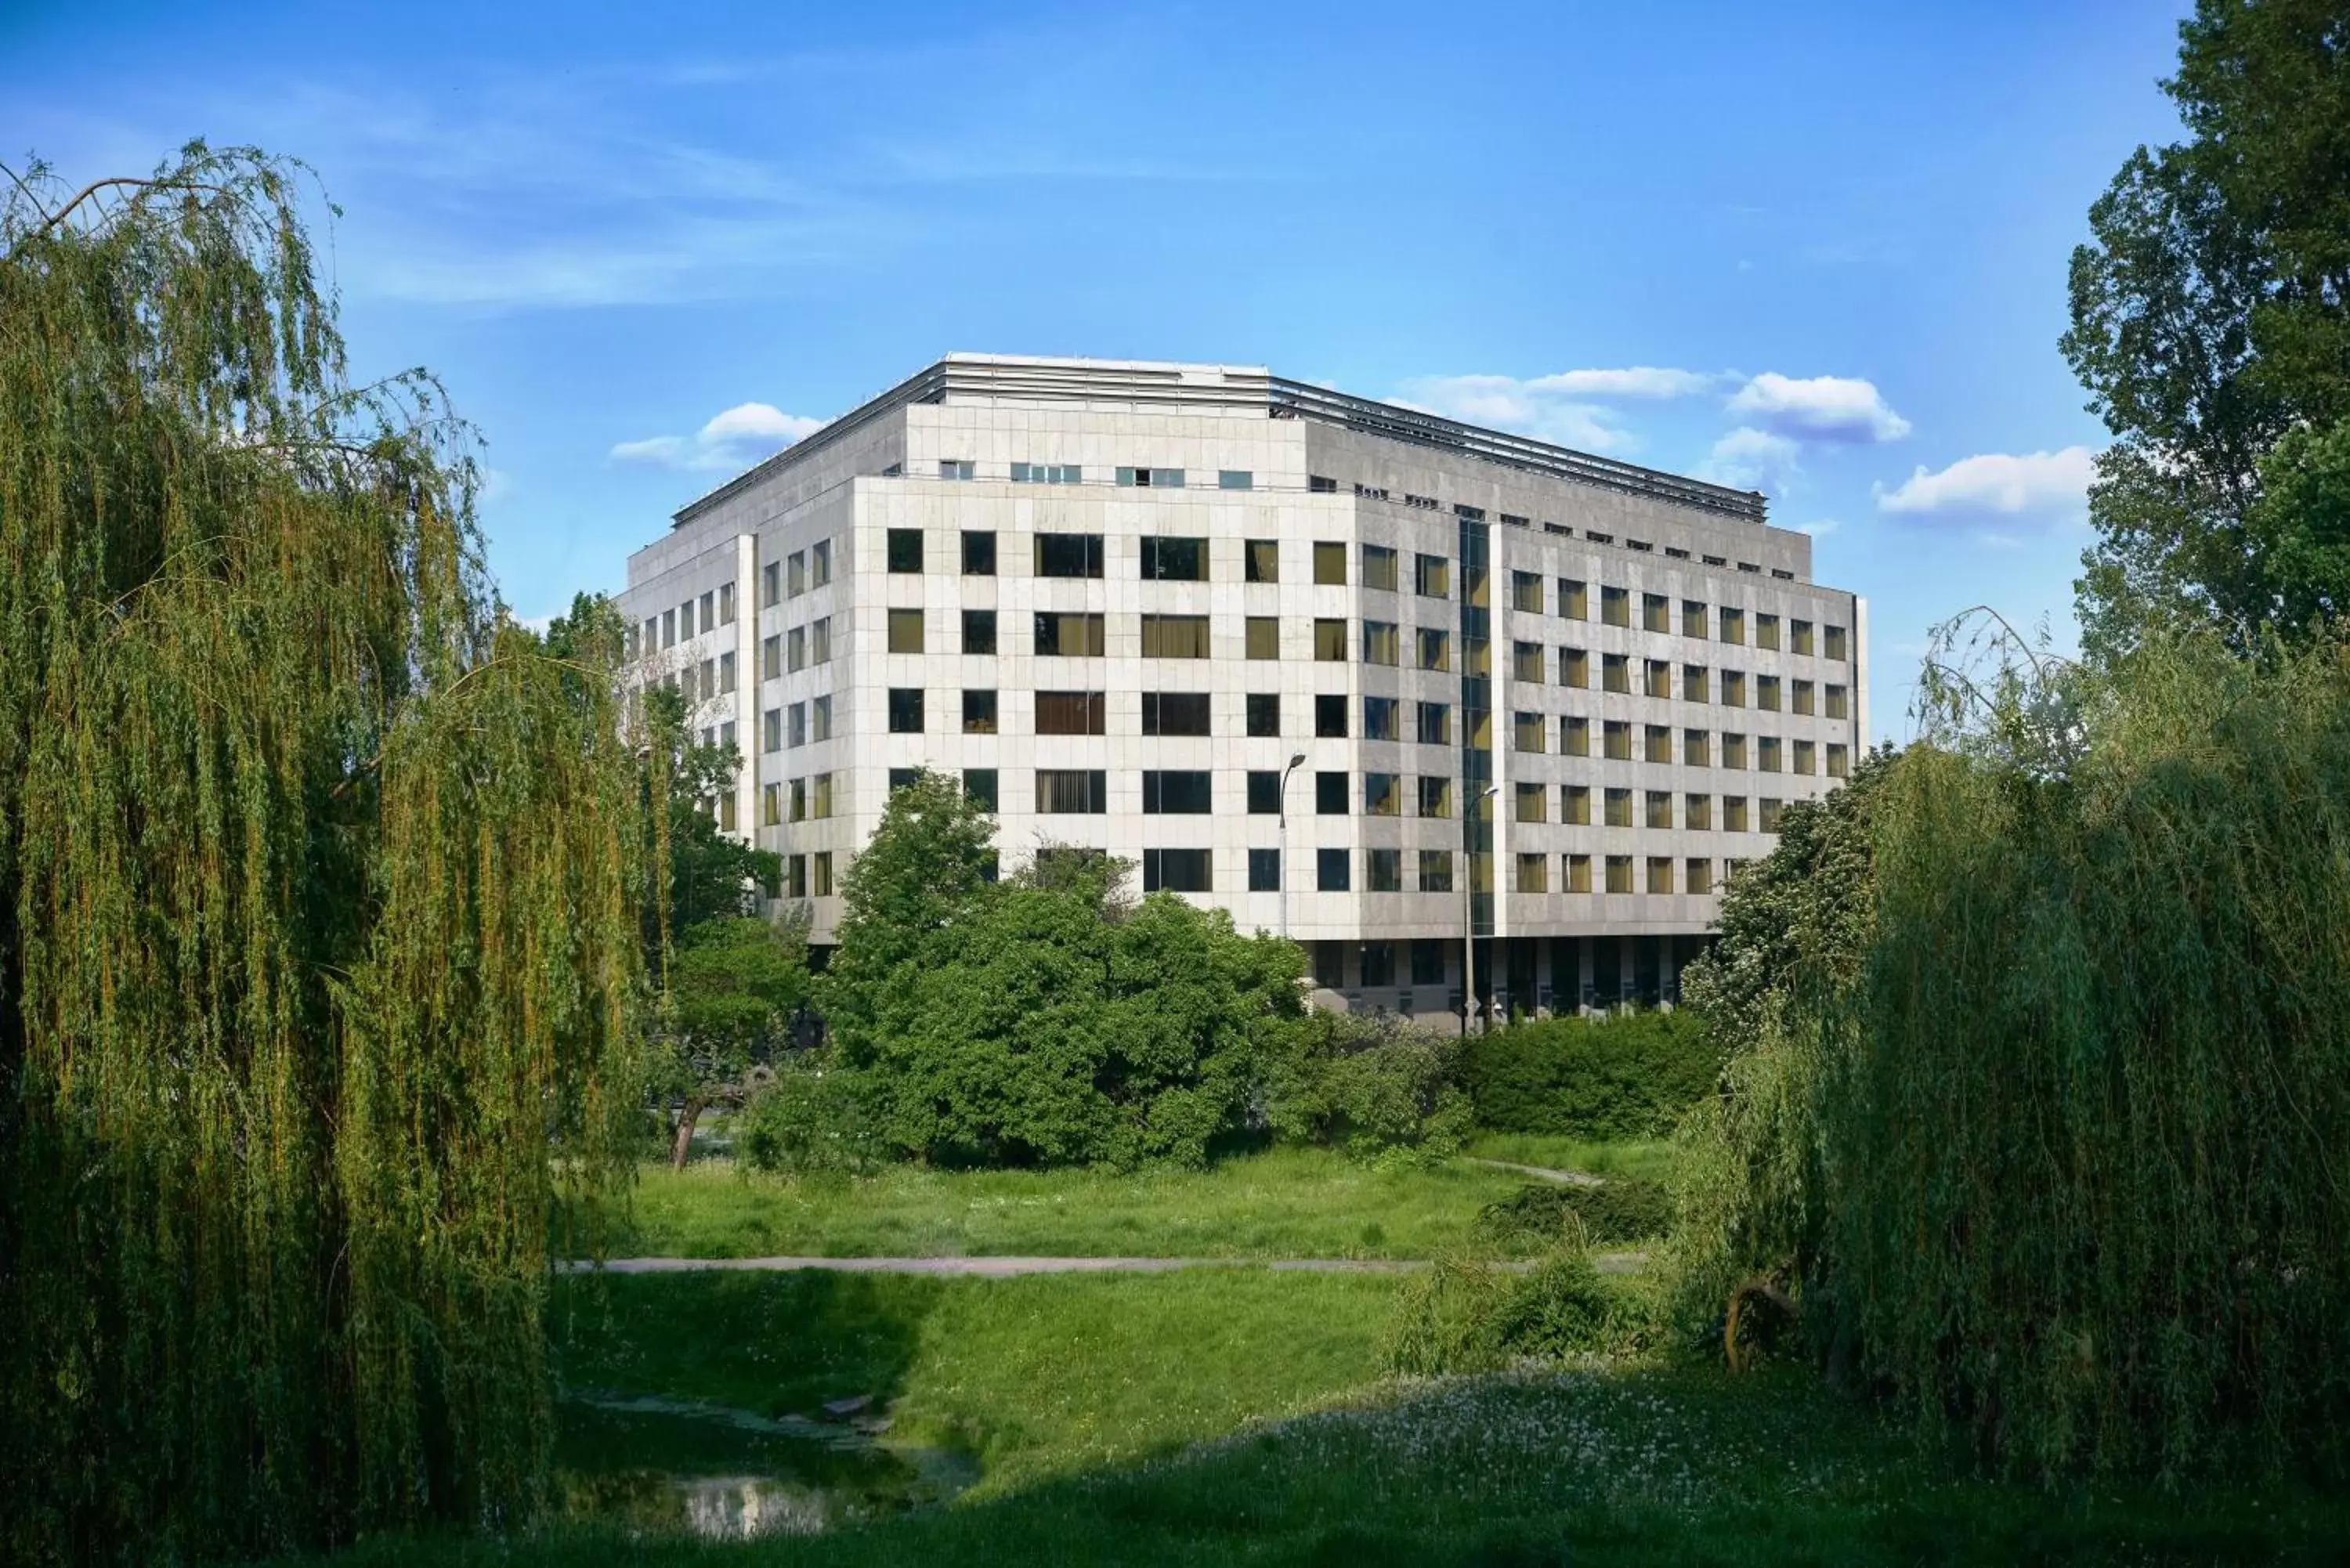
1469 809
1295 763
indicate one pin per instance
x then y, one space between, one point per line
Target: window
1574 736
1068 555
1766 754
979 786
1176 794
1175 870
1838 702
820 563
1435 721
1264 792
1533 873
1616 605
1526 660
771 658
1330 640
795 724
1071 792
978 553
1379 569
979 631
1330 716
1151 478
709 668
1527 591
725 604
957 468
1806 757
1574 599
1436 876
1435 649
1699 875
1381 642
1235 479
979 713
795 875
1261 561
1694 679
1693 618
1532 803
1766 693
1695 752
1661 873
771 583
1264 713
1320 486
1618 803
1615 741
1656 613
1071 713
1733 688
905 631
1574 805
821 719
1174 713
1577 868
771 730
1734 749
1431 577
1799 636
820 639
905 710
1264 870
725 673
796 573
820 796
1330 563
1382 719
1174 560
795 644
1068 634
905 549
1435 796
1261 637
1660 743
1573 668
1801 691
771 805
1174 637
1331 871
1615 672
1382 873
669 629
1660 808
1659 679
708 617
1697 813
1837 643
1382 794
900 778
1619 873
1766 631
1526 732
799 800
1734 814
1047 473
1770 815
1733 625
1839 760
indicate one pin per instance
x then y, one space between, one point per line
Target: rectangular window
1431 577
1733 625
1733 688
795 875
1174 637
771 583
1381 642
979 786
1330 640
1330 716
905 631
771 730
1382 719
795 646
1618 803
1734 814
1330 563
796 573
1573 668
1799 636
1615 741
1770 815
1047 473
1261 635
1175 870
1435 649
1151 478
978 553
1660 743
799 800
1435 723
1699 875
1661 873
1578 873
725 604
957 468
1660 808
1382 873
1694 683
1264 713
1533 873
1800 693
1766 754
1574 736
1839 703
669 629
1839 760
1526 660
820 639
1574 805
905 549
979 631
821 719
1806 757
820 796
1379 569
905 709
709 616
1695 752
979 713
795 724
1235 479
1527 591
1697 813
1530 802
1435 873
1068 555
820 563
1527 732
1734 749
1659 680
1766 693
1174 713
1619 873
1382 794
1766 631
1261 561
1072 792
1616 606
725 673
771 805
1615 672
1071 713
1264 792
1264 870
1169 560
1331 868
1837 644
1068 634
1656 613
1573 598
1435 796
1176 794
1693 618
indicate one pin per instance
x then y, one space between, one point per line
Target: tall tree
2211 317
319 959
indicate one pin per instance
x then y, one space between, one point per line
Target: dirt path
1539 1172
1004 1268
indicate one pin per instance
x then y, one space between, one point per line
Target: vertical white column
746 685
1859 678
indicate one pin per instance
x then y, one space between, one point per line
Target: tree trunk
686 1118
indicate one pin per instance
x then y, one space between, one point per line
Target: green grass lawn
1284 1203
1653 1160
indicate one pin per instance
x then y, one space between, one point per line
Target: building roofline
990 377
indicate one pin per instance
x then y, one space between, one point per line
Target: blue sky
643 246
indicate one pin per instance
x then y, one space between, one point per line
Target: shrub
811 1116
1633 1075
1375 1088
1464 1315
1629 1210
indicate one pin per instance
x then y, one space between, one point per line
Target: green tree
735 983
320 961
2211 317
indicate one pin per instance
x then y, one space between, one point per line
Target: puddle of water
672 1467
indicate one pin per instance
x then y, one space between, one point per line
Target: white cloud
1996 481
1633 382
1750 459
732 440
1568 407
1818 408
1820 529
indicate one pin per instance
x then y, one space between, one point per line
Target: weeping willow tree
2057 1147
320 883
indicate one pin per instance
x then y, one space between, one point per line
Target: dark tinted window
1331 871
905 710
1330 717
905 549
978 553
1176 870
1068 555
1330 794
1174 713
1176 794
978 784
1264 714
979 631
1070 713
1264 870
1264 794
1175 560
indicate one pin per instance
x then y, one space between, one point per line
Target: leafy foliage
1633 1075
1462 1315
811 1116
318 894
735 983
1378 1088
1624 1208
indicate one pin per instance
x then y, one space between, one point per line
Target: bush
1462 1315
1633 1075
811 1116
1375 1088
1630 1210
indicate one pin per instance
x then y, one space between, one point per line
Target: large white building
1139 607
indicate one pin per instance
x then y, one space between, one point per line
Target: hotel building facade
1347 669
